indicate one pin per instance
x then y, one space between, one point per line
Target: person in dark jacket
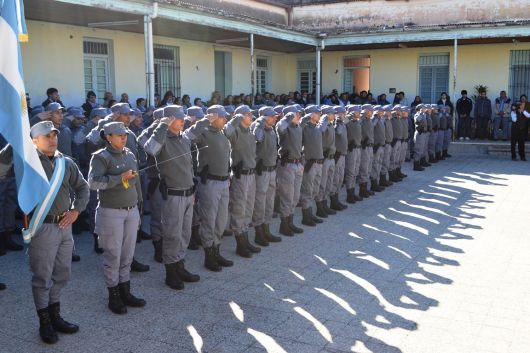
90 103
53 96
519 118
482 114
464 107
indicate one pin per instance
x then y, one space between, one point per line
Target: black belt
126 208
247 171
175 192
268 169
293 161
331 156
52 219
217 177
318 161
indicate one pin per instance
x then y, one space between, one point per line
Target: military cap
114 128
76 112
339 109
299 108
217 109
121 108
42 128
377 107
387 108
327 109
443 107
242 109
53 107
99 113
174 111
367 107
434 106
289 109
158 113
278 109
196 112
311 109
266 111
354 108
136 112
229 109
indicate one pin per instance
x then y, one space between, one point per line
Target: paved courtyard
437 263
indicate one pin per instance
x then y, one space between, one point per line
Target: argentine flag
32 182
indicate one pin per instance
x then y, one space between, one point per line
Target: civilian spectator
502 115
90 103
482 115
464 107
53 96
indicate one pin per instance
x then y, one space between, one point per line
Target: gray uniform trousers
241 204
326 182
367 156
432 142
425 151
338 176
177 216
213 210
50 260
155 222
404 151
289 183
353 163
310 185
91 210
439 140
264 199
448 134
117 230
395 156
419 139
385 167
377 163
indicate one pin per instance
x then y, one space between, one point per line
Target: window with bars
433 76
519 74
167 69
262 75
356 74
307 75
96 66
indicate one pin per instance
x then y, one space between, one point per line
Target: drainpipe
149 54
318 85
252 73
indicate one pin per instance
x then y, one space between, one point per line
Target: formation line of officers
207 174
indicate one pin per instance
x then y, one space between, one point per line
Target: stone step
483 147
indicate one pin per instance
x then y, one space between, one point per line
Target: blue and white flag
32 182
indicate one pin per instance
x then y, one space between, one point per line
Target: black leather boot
335 204
97 249
424 162
350 196
138 266
401 175
418 167
328 210
128 298
432 159
10 244
227 233
363 190
172 280
3 286
210 261
294 228
241 246
116 304
260 238
271 238
46 330
438 156
2 244
284 227
220 259
157 245
394 176
185 275
58 323
75 257
383 181
144 235
307 220
375 186
445 154
321 212
250 246
313 217
195 240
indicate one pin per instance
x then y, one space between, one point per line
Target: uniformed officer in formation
341 150
114 174
266 149
50 250
290 168
243 183
172 151
313 151
389 138
353 157
328 167
367 152
420 122
213 190
433 136
378 148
